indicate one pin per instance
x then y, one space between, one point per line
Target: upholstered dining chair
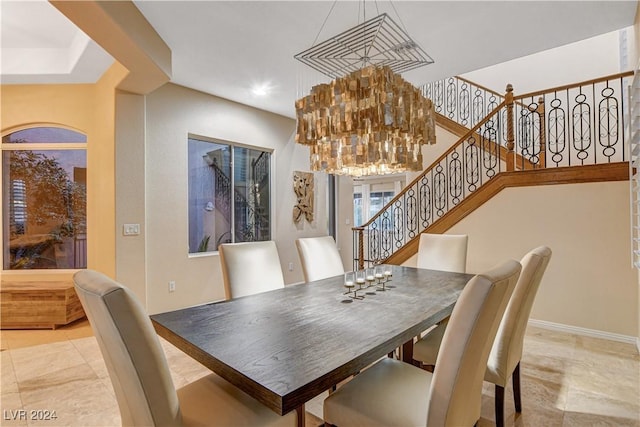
250 267
447 252
392 392
505 355
140 374
319 257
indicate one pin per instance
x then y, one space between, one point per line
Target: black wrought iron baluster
412 207
608 122
451 98
455 178
581 124
440 190
425 202
556 141
438 96
464 106
398 222
374 241
536 127
490 149
472 160
529 128
478 106
386 244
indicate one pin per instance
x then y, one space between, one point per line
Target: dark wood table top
286 346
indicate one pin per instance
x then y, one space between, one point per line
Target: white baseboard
593 333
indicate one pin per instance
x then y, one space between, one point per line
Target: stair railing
461 100
248 221
572 125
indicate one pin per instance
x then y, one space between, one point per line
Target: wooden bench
38 305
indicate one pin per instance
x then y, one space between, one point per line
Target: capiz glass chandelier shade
368 120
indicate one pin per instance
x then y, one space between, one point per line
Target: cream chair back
507 348
456 387
250 268
135 360
446 252
319 257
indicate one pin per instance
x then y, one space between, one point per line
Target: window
371 196
229 194
44 199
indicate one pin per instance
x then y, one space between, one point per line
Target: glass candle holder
370 275
360 278
379 273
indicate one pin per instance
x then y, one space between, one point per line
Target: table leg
407 352
301 415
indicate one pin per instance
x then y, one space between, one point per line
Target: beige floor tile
607 369
63 370
545 343
531 416
8 382
42 360
87 402
90 352
598 345
544 367
581 419
13 413
600 405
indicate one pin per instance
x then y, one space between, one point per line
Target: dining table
286 346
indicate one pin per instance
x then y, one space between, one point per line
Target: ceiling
230 48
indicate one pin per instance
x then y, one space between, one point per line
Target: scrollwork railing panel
574 125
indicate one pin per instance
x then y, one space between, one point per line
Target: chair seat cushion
427 348
213 401
388 393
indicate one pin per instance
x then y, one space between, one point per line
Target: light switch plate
131 229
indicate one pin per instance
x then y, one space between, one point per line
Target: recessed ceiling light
261 89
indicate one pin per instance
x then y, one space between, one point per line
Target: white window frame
48 146
233 145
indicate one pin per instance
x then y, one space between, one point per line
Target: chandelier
368 120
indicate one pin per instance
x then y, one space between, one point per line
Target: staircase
567 134
251 218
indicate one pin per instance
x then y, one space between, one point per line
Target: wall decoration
303 187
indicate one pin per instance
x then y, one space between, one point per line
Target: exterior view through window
371 196
44 199
229 194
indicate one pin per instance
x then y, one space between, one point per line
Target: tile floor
567 380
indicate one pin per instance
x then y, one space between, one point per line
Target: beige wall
130 194
173 112
88 108
589 282
563 65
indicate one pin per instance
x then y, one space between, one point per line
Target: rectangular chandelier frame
378 41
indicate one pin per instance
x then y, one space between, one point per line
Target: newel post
508 98
360 231
361 249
